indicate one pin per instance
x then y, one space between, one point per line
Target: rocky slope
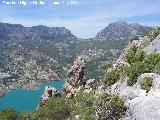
142 97
19 66
121 31
153 46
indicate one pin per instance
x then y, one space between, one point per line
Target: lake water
26 100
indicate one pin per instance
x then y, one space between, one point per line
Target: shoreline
20 85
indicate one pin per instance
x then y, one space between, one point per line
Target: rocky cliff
76 78
154 46
138 80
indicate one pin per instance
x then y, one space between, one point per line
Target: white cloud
86 19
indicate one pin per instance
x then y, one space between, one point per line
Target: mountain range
17 32
41 52
114 31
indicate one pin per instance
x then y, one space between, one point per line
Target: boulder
49 92
143 108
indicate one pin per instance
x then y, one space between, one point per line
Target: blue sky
84 19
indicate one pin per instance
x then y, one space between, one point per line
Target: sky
85 18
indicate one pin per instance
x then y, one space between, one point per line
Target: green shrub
109 64
143 64
55 109
135 71
134 37
8 114
146 83
152 59
111 78
110 107
86 106
139 56
157 67
107 106
131 53
153 33
134 55
25 116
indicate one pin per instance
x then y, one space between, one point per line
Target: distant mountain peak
120 22
121 30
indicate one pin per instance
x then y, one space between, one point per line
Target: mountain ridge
121 30
17 32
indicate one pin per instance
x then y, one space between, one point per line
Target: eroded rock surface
49 92
142 105
76 78
154 46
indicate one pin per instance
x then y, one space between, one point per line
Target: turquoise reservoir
26 100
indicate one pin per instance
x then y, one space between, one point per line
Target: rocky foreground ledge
142 98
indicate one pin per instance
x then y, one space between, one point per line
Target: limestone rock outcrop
142 104
49 92
76 78
154 46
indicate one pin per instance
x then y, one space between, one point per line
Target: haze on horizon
86 18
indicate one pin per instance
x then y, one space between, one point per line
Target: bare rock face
121 62
142 105
154 46
144 108
76 78
49 92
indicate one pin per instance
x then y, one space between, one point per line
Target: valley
46 53
79 60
